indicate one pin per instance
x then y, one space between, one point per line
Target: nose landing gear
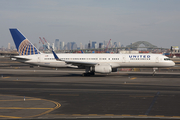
154 71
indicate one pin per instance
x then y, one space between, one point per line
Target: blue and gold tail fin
23 45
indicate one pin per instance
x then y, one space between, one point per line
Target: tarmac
47 93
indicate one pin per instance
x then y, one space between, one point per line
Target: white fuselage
114 60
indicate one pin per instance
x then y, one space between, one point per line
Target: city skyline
61 45
124 21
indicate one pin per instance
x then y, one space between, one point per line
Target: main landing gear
88 72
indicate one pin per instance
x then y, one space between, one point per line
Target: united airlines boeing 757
92 63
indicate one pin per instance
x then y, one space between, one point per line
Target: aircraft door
157 59
38 58
124 59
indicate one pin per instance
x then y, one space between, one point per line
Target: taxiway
47 93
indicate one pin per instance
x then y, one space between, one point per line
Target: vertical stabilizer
23 45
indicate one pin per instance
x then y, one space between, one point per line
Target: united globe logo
26 48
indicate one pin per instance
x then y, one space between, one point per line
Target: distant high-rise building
63 45
2 48
57 44
60 45
103 46
81 46
100 45
73 46
115 44
93 44
69 45
119 44
86 46
9 45
96 46
89 45
105 43
110 44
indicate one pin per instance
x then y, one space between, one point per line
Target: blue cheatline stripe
154 100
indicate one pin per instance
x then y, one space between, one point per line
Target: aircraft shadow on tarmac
50 75
97 75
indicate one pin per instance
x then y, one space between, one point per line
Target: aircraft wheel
92 73
31 66
84 74
88 74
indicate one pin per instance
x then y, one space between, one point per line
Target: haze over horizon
125 21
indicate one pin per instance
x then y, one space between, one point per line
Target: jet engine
102 68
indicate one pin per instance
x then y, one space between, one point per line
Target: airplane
104 63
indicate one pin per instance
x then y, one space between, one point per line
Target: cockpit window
167 59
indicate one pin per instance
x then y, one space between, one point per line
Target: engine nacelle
103 69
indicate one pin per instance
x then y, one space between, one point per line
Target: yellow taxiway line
30 98
23 108
141 96
133 78
5 77
9 116
114 115
19 100
65 94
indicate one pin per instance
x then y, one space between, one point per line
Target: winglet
55 56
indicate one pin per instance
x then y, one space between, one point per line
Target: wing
80 63
75 63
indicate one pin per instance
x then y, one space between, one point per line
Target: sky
124 21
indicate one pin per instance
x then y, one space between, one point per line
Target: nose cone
172 64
